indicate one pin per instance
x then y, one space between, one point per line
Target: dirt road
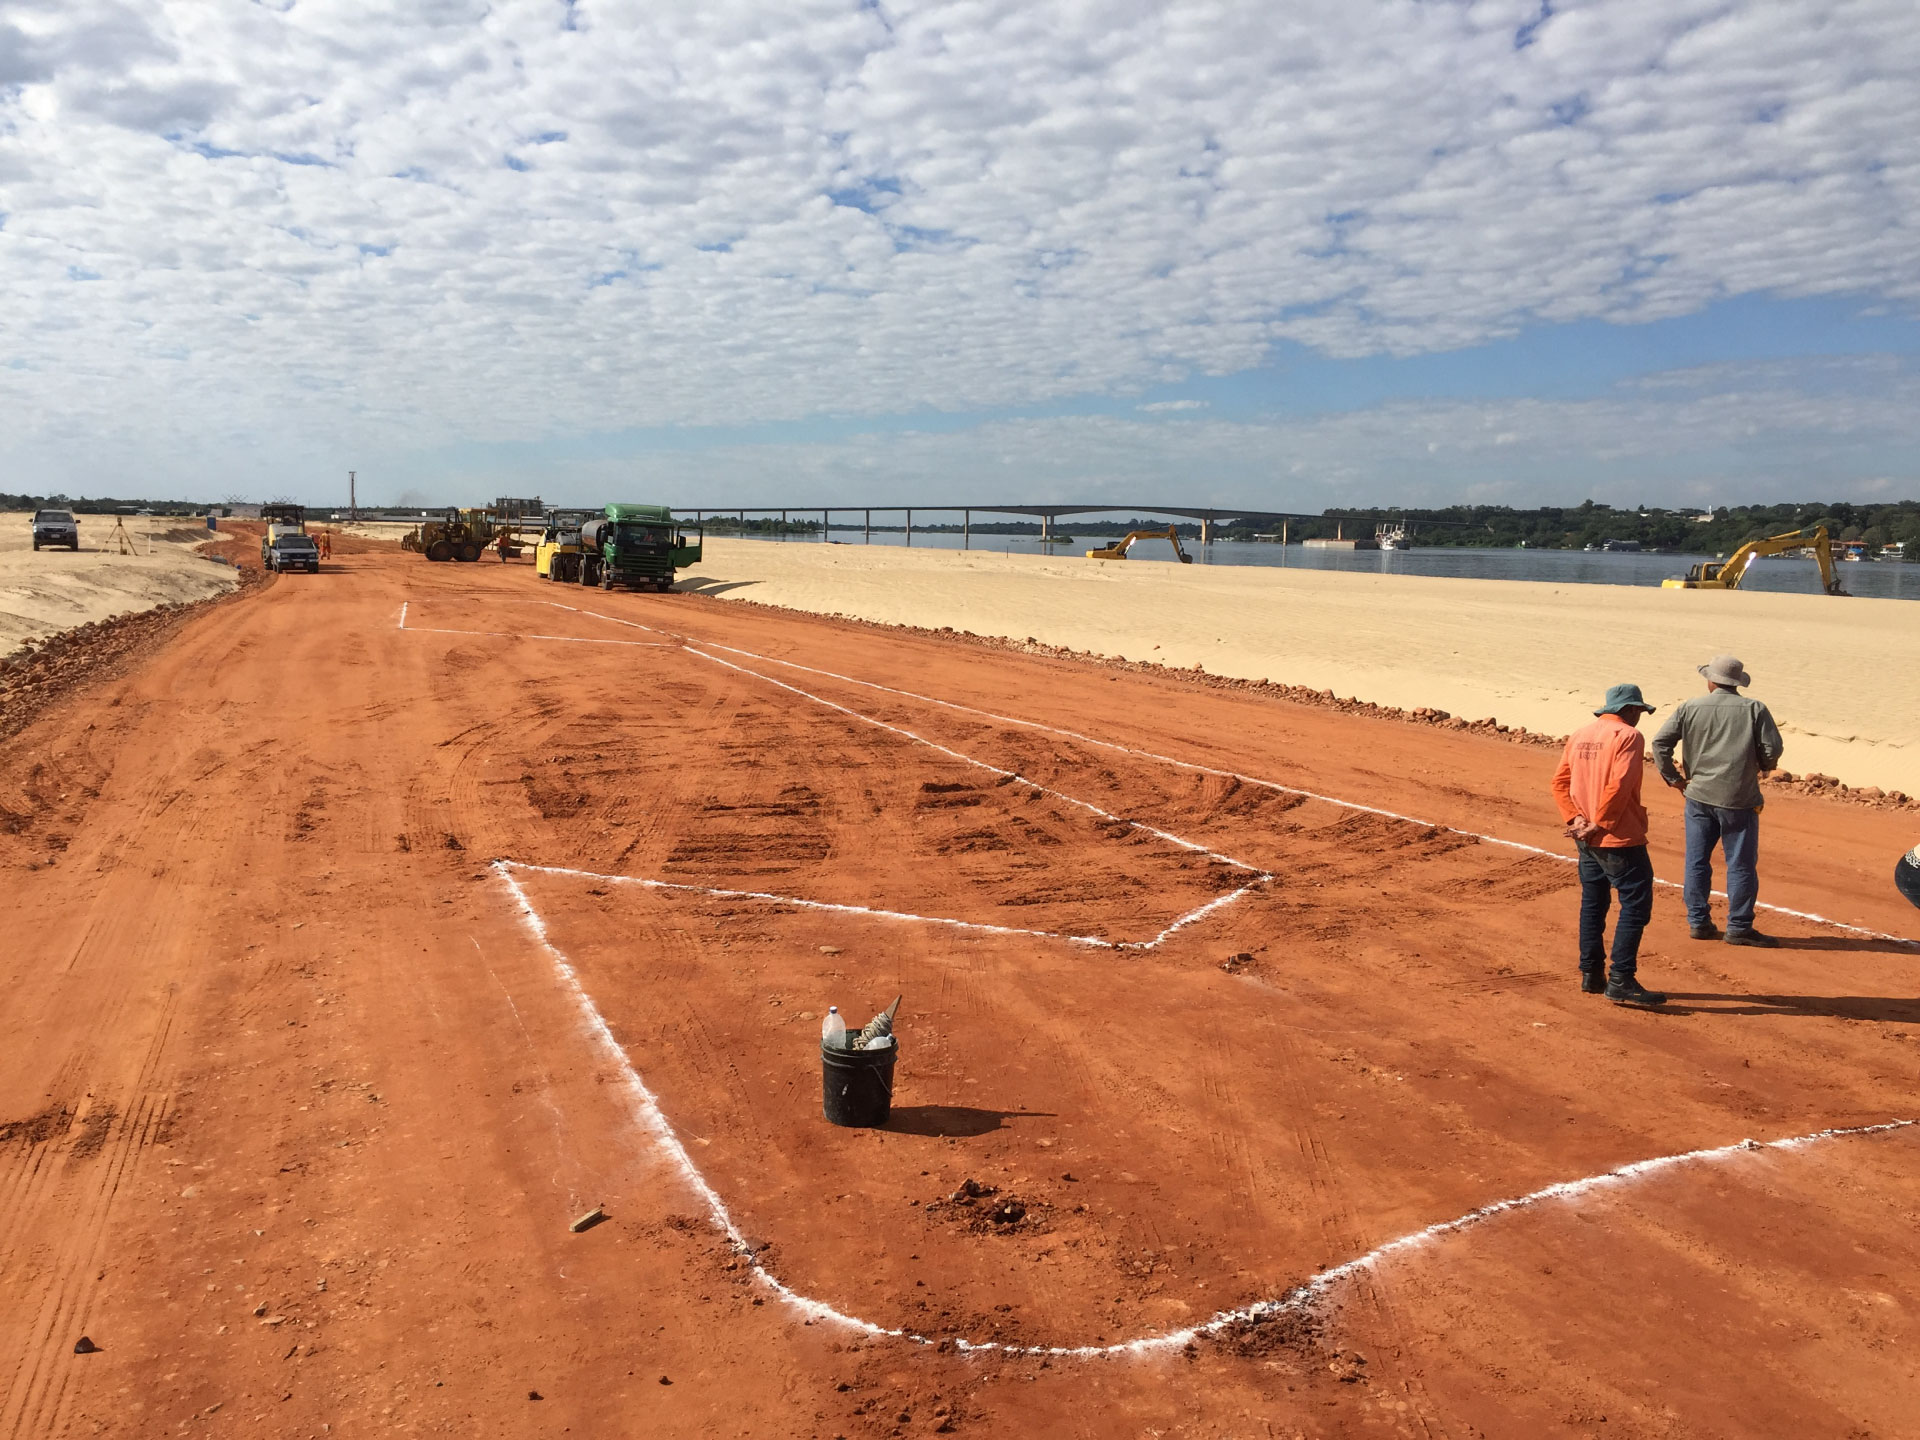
389 919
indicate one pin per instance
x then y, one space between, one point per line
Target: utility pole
353 505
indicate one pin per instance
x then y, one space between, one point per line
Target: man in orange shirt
1597 788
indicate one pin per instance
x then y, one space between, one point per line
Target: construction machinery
283 520
1118 550
459 535
639 546
556 556
1727 574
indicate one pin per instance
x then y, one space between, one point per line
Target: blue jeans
1604 869
1738 834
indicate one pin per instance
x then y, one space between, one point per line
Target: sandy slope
1838 674
49 590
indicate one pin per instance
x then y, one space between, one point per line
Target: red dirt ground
295 1110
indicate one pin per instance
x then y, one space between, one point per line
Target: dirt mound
40 672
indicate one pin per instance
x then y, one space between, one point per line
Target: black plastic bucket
856 1086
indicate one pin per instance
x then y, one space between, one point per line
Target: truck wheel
36 542
441 549
467 551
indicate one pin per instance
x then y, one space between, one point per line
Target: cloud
332 227
1712 436
1166 407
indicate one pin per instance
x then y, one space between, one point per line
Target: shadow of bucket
856 1086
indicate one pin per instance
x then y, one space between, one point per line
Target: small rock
665 1381
829 949
259 1310
84 1346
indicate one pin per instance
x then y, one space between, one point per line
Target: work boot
1751 937
1593 982
1631 992
1705 930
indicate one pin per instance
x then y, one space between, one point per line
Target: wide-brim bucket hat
1623 697
1726 670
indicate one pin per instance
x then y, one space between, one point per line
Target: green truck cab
639 546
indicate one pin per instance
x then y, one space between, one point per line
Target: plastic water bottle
879 1042
833 1030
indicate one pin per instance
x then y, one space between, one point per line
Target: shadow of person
1885 1008
1851 944
700 585
954 1120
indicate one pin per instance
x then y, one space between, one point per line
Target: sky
1285 255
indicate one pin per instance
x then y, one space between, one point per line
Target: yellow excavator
1118 550
1727 574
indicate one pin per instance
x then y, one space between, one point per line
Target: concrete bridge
1045 514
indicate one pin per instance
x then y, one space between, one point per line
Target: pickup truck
55 527
290 550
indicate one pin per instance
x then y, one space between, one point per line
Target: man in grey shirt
1726 740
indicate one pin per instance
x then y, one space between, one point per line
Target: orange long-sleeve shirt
1599 777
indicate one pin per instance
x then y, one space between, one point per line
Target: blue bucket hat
1624 697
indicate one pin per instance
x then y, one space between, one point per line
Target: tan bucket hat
1726 670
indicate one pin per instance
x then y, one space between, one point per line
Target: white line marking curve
645 1108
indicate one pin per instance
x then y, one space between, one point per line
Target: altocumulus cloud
246 226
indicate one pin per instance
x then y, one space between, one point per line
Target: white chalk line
1011 775
875 913
519 635
1253 780
688 641
646 1110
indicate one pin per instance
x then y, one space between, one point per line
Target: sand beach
49 590
1837 673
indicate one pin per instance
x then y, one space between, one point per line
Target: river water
1889 580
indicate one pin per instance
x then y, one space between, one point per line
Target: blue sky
842 253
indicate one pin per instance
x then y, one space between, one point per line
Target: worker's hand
1579 828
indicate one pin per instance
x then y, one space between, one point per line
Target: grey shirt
1727 740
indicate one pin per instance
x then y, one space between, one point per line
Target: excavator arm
1727 575
1118 550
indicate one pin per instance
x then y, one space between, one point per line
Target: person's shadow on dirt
1886 1008
954 1120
